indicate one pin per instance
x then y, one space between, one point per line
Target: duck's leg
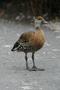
33 60
34 68
26 61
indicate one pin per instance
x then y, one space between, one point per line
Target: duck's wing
23 43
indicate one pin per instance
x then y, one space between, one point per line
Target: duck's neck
38 28
38 23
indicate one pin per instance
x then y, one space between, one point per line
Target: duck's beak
44 21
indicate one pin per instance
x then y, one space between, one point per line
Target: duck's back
25 37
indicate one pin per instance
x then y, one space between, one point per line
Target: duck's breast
38 39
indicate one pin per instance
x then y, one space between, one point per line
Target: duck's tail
16 46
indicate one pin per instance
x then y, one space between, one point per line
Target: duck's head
39 21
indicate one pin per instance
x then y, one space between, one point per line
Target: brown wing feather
25 37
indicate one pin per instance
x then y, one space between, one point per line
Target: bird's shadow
37 69
17 69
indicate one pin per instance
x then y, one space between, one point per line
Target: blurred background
25 9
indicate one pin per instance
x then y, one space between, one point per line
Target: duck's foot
34 68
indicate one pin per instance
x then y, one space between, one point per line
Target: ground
13 75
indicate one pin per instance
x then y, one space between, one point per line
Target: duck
31 42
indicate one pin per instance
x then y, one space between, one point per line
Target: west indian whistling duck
31 42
